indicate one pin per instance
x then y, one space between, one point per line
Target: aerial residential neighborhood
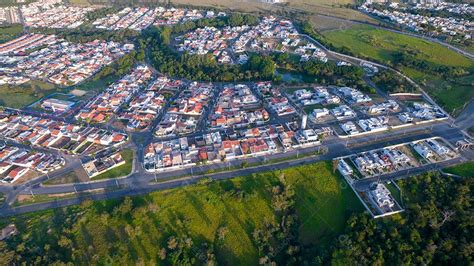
59 62
254 132
408 17
269 35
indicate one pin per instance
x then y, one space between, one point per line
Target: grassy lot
465 169
394 191
78 2
10 31
25 94
6 3
141 228
381 46
70 177
324 202
30 199
119 171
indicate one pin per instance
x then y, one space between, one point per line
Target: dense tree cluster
87 34
200 67
328 73
101 12
119 68
392 82
407 58
277 240
233 20
436 228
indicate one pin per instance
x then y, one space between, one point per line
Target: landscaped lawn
323 202
381 45
119 171
464 170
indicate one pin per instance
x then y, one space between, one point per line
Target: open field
5 3
30 199
76 176
464 170
25 94
119 171
9 32
201 212
381 45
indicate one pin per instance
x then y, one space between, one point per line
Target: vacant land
9 32
25 94
119 171
32 199
76 176
464 170
5 3
382 46
224 213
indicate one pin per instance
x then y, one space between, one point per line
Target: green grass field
119 171
25 94
380 45
323 203
464 170
9 32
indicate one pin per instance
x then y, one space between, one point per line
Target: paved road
466 119
141 182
